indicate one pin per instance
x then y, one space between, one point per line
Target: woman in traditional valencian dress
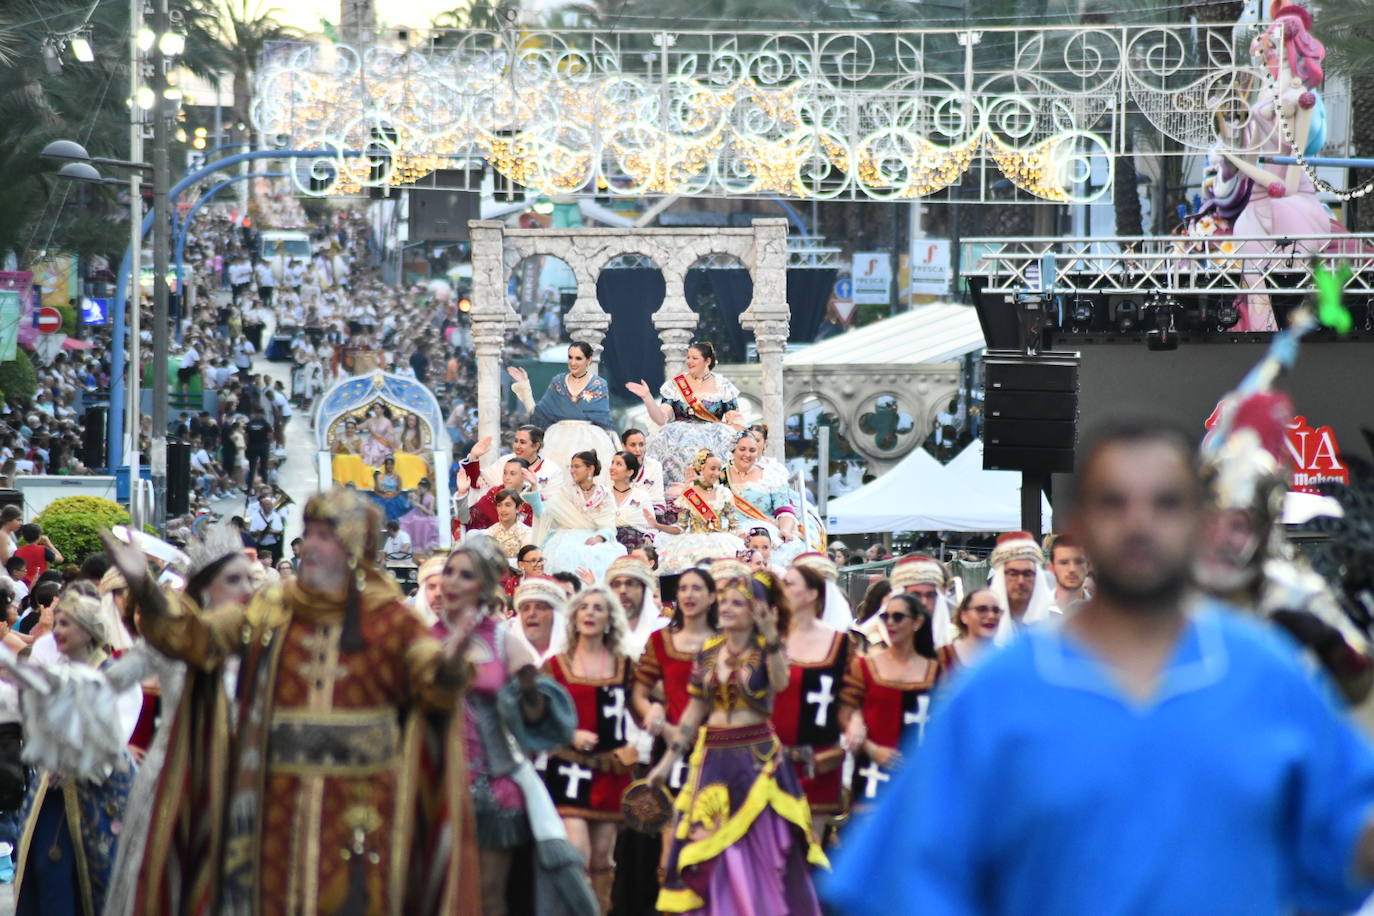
388 491
729 853
421 523
588 778
70 823
631 499
379 437
574 522
706 516
575 411
698 409
890 688
764 498
413 461
347 448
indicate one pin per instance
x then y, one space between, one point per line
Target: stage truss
985 116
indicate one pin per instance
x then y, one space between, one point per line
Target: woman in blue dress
575 411
574 522
386 489
764 498
697 410
71 822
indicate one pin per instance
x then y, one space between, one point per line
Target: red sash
745 507
684 388
701 508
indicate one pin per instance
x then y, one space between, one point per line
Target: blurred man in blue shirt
1155 754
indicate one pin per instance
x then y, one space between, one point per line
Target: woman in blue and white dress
705 519
764 498
697 410
574 522
575 411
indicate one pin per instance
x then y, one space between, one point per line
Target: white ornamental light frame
987 115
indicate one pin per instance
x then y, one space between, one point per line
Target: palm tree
239 31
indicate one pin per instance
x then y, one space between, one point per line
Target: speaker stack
1030 407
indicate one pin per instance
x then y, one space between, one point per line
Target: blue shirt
1042 788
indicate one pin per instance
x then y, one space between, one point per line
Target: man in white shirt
267 281
397 549
243 355
240 276
190 365
295 275
266 525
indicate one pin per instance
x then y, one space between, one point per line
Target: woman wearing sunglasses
891 689
976 618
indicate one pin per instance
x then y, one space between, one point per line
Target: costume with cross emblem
590 785
662 664
889 708
806 718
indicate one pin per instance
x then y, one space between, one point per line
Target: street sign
872 277
844 288
49 320
930 267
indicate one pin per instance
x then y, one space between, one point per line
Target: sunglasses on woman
892 617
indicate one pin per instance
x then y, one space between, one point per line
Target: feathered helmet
1245 456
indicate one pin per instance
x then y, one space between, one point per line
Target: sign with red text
1313 452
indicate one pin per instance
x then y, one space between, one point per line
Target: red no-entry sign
49 320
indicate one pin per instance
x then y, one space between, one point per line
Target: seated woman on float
575 411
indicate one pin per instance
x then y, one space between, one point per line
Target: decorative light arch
874 114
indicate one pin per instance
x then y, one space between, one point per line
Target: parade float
383 433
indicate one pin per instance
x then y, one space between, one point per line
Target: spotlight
171 43
465 304
146 99
1165 333
81 49
51 59
1127 316
1081 315
1228 316
146 39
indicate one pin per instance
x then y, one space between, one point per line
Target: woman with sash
574 522
889 690
588 777
706 516
421 523
742 840
575 411
764 498
413 459
347 450
378 435
698 409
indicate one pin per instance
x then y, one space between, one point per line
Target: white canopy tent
920 494
965 473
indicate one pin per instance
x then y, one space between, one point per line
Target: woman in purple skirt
742 841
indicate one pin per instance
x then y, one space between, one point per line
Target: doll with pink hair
1283 201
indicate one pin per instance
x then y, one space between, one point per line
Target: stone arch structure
761 248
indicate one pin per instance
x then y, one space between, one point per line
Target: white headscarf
650 615
1041 607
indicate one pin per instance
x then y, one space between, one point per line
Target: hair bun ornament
703 455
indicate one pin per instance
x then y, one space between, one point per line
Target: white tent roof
935 333
920 494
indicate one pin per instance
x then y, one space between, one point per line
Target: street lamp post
136 274
161 251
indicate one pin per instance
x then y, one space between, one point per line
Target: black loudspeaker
442 215
12 498
1030 410
93 437
178 478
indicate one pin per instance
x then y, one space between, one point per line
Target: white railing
1170 264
